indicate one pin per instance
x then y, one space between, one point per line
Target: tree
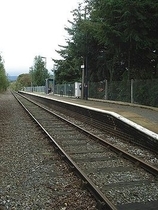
23 80
117 38
3 78
73 55
68 69
38 72
127 29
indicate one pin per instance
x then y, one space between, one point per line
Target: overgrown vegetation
115 40
23 80
36 77
38 72
3 77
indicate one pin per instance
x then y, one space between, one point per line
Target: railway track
33 175
120 180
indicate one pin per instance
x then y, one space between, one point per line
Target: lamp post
31 72
86 79
46 81
54 69
45 63
82 85
84 90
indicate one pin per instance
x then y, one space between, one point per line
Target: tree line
36 76
3 77
115 40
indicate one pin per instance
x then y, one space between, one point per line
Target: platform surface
145 116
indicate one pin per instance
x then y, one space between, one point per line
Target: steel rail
102 201
111 122
153 170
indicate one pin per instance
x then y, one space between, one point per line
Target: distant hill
12 78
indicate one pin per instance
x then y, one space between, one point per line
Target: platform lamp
53 70
83 80
45 63
31 72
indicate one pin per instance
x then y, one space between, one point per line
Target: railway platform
145 116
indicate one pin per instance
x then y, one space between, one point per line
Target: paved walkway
145 116
142 115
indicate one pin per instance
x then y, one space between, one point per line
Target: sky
30 28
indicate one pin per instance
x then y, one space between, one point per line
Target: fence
35 89
65 89
143 92
59 89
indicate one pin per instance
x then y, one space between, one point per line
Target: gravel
32 175
133 149
110 180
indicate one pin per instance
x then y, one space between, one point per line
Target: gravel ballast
111 173
32 175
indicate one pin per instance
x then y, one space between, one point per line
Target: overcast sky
30 28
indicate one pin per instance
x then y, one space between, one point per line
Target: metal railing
144 92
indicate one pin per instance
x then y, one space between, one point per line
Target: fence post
106 89
132 82
65 89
